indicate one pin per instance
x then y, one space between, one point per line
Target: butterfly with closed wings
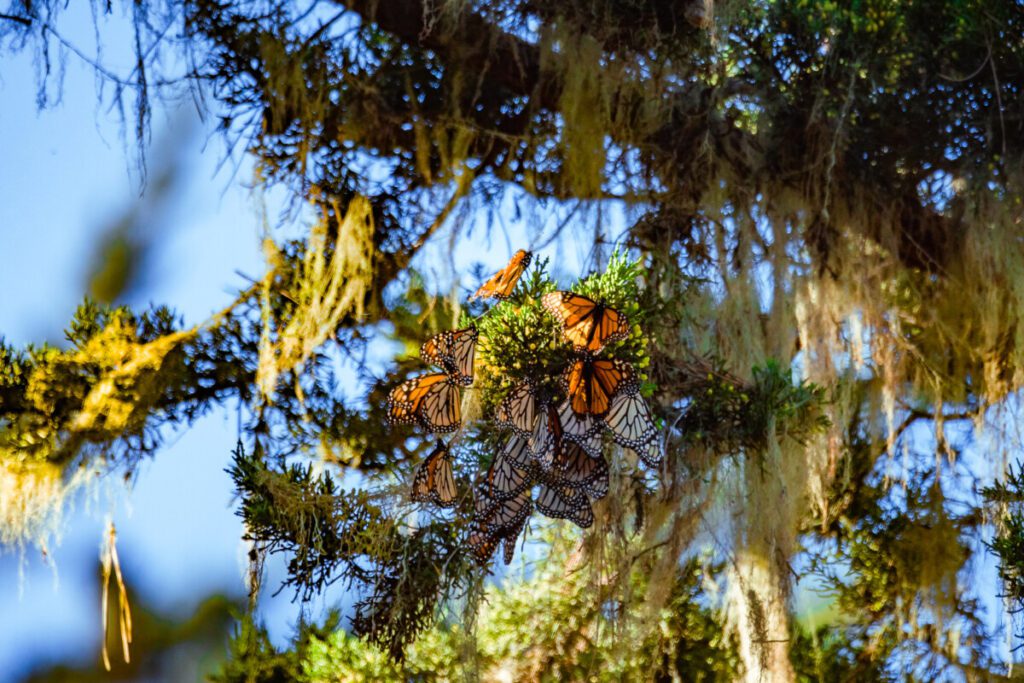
501 285
505 479
574 467
453 351
583 430
497 520
563 502
434 481
430 400
629 418
546 438
519 409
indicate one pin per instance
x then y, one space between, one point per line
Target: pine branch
21 20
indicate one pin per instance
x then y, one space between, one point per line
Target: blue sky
66 174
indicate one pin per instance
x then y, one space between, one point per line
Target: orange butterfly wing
593 383
500 286
434 482
432 400
453 351
482 541
587 324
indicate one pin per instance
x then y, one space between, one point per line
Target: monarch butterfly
592 383
509 549
546 438
483 503
598 487
434 482
563 502
453 351
581 429
432 400
505 480
592 444
650 453
500 286
575 468
587 324
629 418
495 513
518 410
516 451
482 542
502 517
502 524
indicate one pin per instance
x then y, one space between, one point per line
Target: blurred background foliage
165 647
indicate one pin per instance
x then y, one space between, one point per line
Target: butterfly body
453 351
434 481
502 283
591 383
430 400
587 324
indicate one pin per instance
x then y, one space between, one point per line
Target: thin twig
954 79
21 20
999 100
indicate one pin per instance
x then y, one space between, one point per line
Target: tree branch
513 64
21 20
506 60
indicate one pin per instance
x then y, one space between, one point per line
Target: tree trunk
761 618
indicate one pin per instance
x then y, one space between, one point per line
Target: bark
761 618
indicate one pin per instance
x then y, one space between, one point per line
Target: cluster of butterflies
555 446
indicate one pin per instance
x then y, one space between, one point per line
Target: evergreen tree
822 270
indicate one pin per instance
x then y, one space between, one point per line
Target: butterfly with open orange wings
501 285
591 383
587 324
